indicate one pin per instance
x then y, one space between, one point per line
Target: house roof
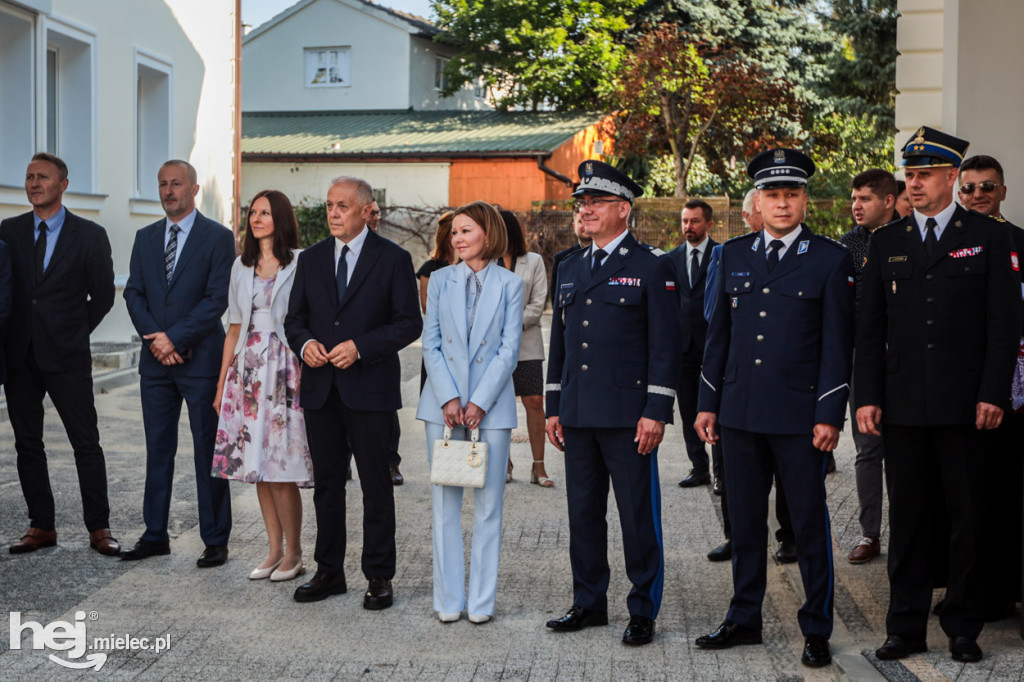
408 133
416 24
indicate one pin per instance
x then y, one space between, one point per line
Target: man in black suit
63 287
691 261
937 337
177 292
353 306
583 241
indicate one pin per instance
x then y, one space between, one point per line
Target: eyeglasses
593 203
987 187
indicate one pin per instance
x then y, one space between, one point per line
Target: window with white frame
440 79
69 101
17 112
327 67
152 121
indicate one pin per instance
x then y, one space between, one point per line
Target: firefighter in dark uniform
937 341
775 380
612 368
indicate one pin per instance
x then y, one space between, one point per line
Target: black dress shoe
728 635
321 587
578 618
816 652
214 555
378 595
396 476
721 553
897 646
716 488
964 649
786 553
640 631
144 549
695 479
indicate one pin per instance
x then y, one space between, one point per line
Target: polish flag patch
849 281
671 286
1015 261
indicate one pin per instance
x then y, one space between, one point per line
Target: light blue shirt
471 293
185 225
942 219
607 248
53 225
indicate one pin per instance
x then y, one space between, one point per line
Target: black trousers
1001 522
687 388
329 430
71 393
592 457
785 531
948 459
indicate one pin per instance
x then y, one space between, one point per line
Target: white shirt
185 225
700 249
607 248
787 241
942 219
355 246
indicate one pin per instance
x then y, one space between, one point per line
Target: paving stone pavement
220 625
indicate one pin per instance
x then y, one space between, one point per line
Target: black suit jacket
380 313
691 300
6 294
937 334
55 315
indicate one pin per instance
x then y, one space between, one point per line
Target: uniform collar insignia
803 247
623 251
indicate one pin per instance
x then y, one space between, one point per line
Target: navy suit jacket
693 326
380 313
55 315
6 293
189 309
779 350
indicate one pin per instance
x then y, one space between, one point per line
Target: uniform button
760 337
930 299
930 346
585 323
638 382
967 269
589 301
763 314
812 387
34 302
622 300
766 290
449 357
929 276
758 362
799 293
336 323
585 346
584 368
479 360
746 284
449 340
483 343
930 322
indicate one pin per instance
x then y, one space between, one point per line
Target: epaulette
748 235
653 249
996 218
898 221
832 241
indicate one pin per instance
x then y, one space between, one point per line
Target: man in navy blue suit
62 287
613 365
353 306
176 293
776 378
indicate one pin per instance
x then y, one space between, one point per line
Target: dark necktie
774 247
930 240
342 273
694 266
598 257
171 252
40 253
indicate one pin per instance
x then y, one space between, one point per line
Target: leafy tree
535 54
674 90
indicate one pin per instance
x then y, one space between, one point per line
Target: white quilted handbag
461 463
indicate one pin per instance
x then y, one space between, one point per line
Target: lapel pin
623 251
959 223
803 247
909 228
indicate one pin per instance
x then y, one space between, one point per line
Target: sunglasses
987 187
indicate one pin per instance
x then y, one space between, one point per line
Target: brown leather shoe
33 540
104 542
867 549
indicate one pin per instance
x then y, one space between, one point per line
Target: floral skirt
261 435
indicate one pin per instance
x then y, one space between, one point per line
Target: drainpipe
547 170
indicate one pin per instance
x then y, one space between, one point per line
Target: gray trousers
868 468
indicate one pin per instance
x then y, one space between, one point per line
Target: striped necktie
171 252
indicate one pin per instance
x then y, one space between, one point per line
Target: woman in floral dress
261 435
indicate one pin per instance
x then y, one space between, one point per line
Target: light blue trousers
449 556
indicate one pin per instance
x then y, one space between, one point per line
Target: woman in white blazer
528 379
471 337
261 434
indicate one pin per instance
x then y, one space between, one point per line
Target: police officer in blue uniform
775 380
612 368
937 339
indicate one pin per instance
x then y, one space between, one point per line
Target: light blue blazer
473 367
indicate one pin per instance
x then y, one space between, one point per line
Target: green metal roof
408 133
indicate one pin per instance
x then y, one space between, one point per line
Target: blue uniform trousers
592 456
161 410
751 460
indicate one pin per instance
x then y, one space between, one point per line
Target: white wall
273 73
422 93
407 184
196 38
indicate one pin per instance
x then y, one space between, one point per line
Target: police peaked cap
929 148
780 168
597 177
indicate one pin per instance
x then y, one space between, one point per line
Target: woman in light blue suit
471 340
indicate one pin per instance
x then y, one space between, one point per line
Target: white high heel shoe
262 573
448 617
281 576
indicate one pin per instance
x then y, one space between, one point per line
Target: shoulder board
831 241
749 235
653 249
898 221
